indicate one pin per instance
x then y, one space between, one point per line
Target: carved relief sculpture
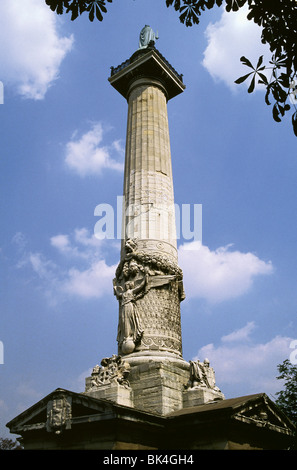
59 414
138 273
113 369
202 375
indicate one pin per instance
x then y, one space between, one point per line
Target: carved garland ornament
135 261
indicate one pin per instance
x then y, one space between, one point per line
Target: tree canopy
278 20
287 398
9 444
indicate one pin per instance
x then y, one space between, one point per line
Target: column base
152 382
158 383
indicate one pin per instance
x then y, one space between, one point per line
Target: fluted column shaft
148 212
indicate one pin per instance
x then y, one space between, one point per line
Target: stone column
148 280
149 372
148 187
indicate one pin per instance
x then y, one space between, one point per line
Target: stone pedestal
120 394
200 395
158 384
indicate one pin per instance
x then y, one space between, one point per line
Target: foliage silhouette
278 20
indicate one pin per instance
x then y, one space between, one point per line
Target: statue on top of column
147 37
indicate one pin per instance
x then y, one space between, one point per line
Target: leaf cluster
277 19
95 8
9 444
191 10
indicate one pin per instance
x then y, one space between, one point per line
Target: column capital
149 64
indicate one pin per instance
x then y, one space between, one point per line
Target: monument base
120 394
199 396
158 384
155 382
64 420
152 401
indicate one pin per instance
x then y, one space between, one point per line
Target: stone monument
148 281
146 395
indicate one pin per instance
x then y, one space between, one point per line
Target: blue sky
62 151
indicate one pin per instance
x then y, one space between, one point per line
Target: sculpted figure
197 374
129 329
130 247
202 375
146 37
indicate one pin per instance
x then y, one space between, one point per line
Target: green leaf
246 61
275 113
259 62
74 12
263 78
252 85
294 122
98 12
57 5
243 78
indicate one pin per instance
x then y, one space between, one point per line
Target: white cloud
26 390
228 39
90 283
61 242
3 406
240 335
81 269
92 280
245 365
43 267
82 236
87 155
221 274
82 246
32 49
81 272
